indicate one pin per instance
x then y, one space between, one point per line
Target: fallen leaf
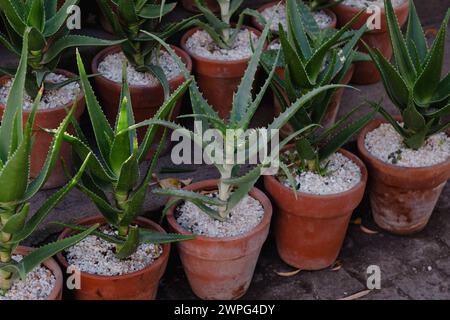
357 295
336 266
368 231
186 182
288 274
357 221
173 183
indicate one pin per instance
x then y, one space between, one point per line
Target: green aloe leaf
428 81
36 17
296 29
55 22
17 221
412 118
155 11
103 132
38 256
149 236
131 243
415 37
12 14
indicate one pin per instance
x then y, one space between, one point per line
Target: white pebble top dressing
38 285
111 68
201 44
242 219
278 15
368 3
342 175
51 98
387 145
96 256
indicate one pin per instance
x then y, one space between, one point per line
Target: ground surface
415 267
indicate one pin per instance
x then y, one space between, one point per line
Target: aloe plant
116 168
314 58
220 29
129 17
413 82
48 38
316 5
232 187
17 190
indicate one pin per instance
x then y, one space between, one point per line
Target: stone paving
414 267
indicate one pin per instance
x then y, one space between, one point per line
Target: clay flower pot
310 229
139 285
260 27
56 293
218 80
146 99
366 72
402 199
332 110
49 119
192 7
222 268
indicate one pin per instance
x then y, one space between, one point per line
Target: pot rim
190 32
361 184
51 265
362 149
357 10
212 183
69 74
89 221
115 49
330 13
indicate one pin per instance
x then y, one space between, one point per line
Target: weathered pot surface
50 119
139 285
310 229
222 268
402 199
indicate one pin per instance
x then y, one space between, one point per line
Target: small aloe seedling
316 5
220 29
314 58
129 17
116 168
48 38
414 82
17 190
232 187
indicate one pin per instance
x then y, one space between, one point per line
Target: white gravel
243 218
278 15
111 68
38 285
201 44
387 145
96 256
51 98
342 175
367 3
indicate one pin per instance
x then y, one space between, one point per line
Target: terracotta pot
191 6
366 72
146 99
217 80
332 110
260 27
49 119
222 268
402 199
56 293
139 285
310 229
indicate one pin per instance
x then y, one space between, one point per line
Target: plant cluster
48 38
129 18
314 58
413 83
17 190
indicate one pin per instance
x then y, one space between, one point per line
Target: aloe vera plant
17 190
220 29
116 168
129 17
232 187
413 82
314 58
48 39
